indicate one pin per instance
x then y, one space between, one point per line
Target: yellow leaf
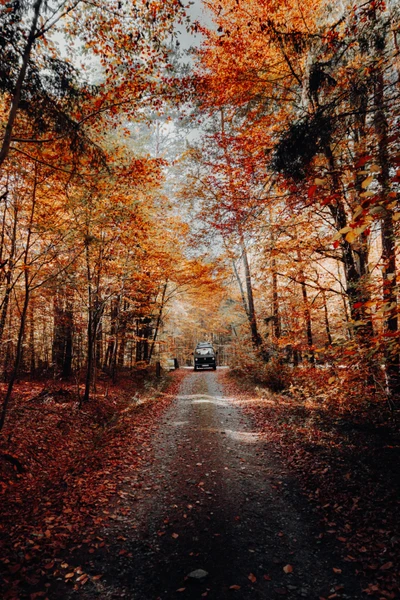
351 237
366 182
318 181
375 169
367 194
396 216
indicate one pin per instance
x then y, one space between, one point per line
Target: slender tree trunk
306 310
255 336
20 82
69 325
158 322
9 274
326 319
18 357
251 314
90 328
18 353
111 347
122 340
32 358
275 301
356 287
240 284
387 229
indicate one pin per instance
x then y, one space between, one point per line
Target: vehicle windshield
205 351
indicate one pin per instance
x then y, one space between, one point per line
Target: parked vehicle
205 356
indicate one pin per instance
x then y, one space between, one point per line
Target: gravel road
218 516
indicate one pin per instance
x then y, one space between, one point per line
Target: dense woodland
244 191
298 176
280 226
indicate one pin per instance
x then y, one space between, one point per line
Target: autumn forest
178 172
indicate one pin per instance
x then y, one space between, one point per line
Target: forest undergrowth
61 466
346 457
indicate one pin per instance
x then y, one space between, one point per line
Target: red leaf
362 161
312 190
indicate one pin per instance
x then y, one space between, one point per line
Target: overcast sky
197 13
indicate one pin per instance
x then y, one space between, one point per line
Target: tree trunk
306 310
387 229
255 336
8 276
326 319
275 301
158 322
18 353
356 288
68 335
32 365
20 82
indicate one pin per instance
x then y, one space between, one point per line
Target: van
205 356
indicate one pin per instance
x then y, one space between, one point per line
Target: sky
197 12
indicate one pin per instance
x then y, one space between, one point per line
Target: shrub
272 374
275 375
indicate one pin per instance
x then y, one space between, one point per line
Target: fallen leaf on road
97 577
181 589
335 570
175 535
252 578
288 569
14 568
234 587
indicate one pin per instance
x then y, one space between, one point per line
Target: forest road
218 501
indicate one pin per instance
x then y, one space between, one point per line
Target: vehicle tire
195 368
214 368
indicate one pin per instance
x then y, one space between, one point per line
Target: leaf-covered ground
270 495
345 453
73 462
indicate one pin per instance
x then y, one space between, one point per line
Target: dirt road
216 502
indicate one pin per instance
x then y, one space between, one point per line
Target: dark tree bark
387 225
158 321
24 312
20 82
